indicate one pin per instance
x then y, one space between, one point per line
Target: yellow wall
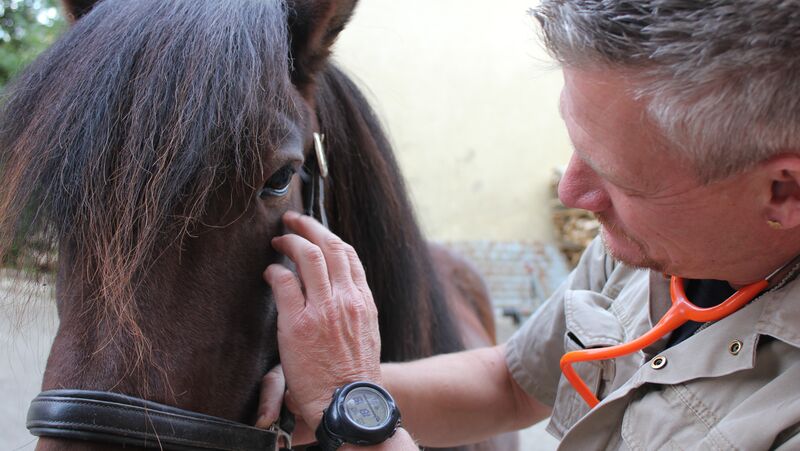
470 101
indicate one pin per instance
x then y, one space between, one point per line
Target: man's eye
278 185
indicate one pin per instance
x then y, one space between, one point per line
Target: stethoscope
681 311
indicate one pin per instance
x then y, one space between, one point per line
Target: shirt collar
780 317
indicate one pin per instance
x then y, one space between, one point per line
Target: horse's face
203 114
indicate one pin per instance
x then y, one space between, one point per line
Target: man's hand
327 320
273 396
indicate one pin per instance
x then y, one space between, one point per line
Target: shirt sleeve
534 351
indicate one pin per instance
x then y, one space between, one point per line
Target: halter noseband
124 420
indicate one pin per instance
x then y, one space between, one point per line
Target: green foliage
27 27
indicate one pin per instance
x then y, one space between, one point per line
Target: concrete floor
27 325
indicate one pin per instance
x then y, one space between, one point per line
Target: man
685 120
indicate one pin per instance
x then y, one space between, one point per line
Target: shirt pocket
589 324
671 417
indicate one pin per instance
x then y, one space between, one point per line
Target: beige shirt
706 396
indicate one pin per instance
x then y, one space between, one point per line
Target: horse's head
158 142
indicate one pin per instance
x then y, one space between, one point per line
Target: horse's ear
75 9
314 26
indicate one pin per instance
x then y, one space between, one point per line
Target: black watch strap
327 440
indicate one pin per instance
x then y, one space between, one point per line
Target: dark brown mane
371 210
114 141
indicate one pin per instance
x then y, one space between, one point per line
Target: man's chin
628 251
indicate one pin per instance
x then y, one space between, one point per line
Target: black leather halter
124 420
107 417
314 176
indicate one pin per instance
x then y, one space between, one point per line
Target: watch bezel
339 424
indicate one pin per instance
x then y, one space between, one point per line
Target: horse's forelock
122 130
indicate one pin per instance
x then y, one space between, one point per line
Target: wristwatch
360 413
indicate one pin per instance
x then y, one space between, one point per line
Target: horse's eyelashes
278 184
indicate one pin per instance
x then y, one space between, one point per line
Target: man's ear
75 9
783 209
314 26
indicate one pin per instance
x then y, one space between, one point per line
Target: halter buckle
283 437
319 148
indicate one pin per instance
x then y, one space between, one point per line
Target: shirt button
658 362
734 347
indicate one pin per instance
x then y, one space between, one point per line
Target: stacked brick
520 275
575 228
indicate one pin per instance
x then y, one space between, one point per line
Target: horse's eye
278 185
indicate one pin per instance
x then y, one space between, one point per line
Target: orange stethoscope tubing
681 311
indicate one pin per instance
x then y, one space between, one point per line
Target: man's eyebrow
588 162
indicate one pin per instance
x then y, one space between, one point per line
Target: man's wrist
400 441
313 417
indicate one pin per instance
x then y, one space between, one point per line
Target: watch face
366 407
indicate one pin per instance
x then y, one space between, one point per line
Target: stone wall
520 275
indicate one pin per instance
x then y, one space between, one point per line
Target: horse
156 145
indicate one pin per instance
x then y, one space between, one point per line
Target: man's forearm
460 398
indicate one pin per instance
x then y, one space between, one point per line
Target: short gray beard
643 262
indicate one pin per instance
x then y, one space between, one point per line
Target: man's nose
581 187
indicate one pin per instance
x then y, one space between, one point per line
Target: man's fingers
335 250
273 393
273 387
357 271
286 290
309 260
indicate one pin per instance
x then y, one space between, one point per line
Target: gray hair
722 77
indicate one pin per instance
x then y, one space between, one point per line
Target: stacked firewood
575 228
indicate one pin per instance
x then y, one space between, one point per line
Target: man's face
655 212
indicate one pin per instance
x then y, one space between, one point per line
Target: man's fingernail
291 214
